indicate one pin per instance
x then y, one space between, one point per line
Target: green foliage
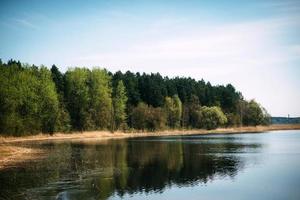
233 119
227 98
58 79
266 117
173 110
34 99
100 105
191 113
130 81
78 98
152 89
119 105
47 101
139 116
29 102
146 117
88 96
156 119
195 117
212 117
254 114
63 119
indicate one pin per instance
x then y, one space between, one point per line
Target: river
230 166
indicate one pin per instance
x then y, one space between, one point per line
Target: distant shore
11 153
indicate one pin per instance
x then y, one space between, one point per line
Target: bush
254 114
233 119
212 117
146 117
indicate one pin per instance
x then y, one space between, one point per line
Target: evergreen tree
58 79
34 99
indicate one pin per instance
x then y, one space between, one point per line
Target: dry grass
109 135
11 154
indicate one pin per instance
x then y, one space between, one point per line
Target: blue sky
254 45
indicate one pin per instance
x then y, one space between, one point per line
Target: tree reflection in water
118 167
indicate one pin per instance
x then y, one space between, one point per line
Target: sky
254 45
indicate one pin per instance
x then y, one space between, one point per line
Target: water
237 166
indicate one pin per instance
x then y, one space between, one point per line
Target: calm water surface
238 166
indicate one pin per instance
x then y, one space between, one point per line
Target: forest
36 99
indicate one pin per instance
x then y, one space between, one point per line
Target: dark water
239 166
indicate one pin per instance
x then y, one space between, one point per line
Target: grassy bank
108 135
11 154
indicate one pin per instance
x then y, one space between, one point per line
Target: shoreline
11 154
118 135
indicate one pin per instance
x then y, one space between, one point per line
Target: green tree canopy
146 117
212 117
254 114
78 98
119 105
35 99
29 102
100 92
173 110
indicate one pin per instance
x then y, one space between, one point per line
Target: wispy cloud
251 43
252 55
25 23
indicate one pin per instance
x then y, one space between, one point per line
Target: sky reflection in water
260 166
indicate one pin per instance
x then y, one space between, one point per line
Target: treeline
35 99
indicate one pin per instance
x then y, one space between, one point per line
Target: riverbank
11 153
